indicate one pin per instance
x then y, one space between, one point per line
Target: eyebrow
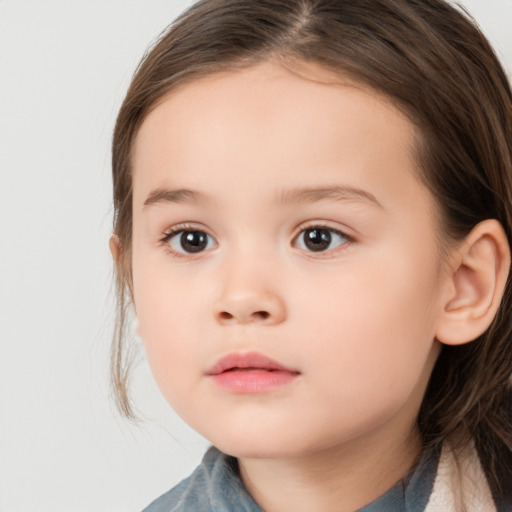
297 195
333 192
182 195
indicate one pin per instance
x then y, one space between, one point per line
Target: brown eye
191 241
318 239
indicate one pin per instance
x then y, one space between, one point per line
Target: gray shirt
216 486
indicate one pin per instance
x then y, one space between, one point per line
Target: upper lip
253 360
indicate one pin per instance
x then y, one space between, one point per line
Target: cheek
372 328
170 318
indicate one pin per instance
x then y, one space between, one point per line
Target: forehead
255 91
269 124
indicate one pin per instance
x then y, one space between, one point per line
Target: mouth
250 373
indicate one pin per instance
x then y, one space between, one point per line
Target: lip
250 373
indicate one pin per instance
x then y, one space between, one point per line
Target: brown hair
431 60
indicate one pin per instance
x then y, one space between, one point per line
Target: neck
340 479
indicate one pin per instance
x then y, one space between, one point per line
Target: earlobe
476 284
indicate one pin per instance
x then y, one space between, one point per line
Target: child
313 216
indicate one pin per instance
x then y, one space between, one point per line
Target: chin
266 445
250 451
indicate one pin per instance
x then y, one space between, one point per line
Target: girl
313 215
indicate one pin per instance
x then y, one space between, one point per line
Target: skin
358 321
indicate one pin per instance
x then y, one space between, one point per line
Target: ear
476 283
117 255
115 249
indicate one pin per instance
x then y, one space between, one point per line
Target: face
286 268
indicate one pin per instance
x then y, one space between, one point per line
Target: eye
319 239
190 241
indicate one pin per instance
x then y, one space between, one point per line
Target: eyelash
176 230
184 228
310 226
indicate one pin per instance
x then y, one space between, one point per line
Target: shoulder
214 486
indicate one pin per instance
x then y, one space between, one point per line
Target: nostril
261 315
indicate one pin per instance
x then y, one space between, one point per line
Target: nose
247 299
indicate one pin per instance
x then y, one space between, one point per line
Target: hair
431 60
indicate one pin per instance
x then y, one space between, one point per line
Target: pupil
317 239
193 241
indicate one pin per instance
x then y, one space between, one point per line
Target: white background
64 67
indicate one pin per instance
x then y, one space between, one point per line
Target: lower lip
252 380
